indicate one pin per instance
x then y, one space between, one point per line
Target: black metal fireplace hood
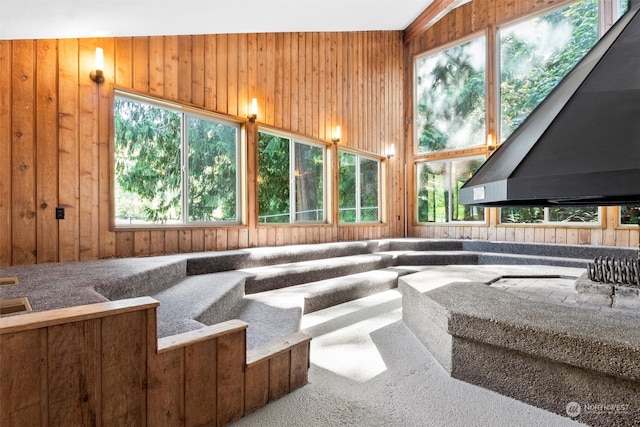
581 145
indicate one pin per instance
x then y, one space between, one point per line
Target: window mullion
292 181
184 148
358 193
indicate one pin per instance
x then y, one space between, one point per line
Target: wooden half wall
478 17
102 365
56 130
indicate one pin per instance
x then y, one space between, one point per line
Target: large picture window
537 53
359 192
450 97
291 180
173 166
439 184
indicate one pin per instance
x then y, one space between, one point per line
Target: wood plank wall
473 18
56 127
75 366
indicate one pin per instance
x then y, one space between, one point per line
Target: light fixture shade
254 107
97 75
392 151
99 59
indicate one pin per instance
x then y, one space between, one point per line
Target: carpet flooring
367 369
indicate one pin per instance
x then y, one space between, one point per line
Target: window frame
293 140
416 183
466 39
359 156
185 113
545 222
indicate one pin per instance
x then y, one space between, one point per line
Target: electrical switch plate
59 213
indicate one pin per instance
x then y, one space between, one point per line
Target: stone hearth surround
543 354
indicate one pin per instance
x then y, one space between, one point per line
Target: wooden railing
103 365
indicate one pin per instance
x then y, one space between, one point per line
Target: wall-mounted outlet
59 213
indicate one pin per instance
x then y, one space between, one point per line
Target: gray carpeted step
269 317
518 259
327 293
212 262
418 244
206 299
284 275
437 258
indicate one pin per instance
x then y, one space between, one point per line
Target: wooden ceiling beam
432 14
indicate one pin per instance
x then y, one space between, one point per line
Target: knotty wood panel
200 375
73 372
230 380
22 381
124 372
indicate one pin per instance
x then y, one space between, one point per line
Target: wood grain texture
22 378
306 83
102 364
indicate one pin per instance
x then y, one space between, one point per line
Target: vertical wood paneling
256 384
165 394
200 375
68 150
107 243
47 150
73 373
123 356
88 151
23 356
23 153
185 60
231 353
6 238
197 70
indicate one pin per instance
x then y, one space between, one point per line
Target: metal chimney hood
581 145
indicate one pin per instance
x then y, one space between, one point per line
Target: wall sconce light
336 135
253 112
491 146
97 75
392 151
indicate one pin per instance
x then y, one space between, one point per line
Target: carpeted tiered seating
270 288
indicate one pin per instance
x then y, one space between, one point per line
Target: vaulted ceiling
33 19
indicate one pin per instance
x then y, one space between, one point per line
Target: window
537 53
359 179
450 98
439 185
291 180
534 56
540 215
629 215
172 165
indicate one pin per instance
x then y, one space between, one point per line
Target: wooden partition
103 365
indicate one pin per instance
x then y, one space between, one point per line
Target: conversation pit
503 316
